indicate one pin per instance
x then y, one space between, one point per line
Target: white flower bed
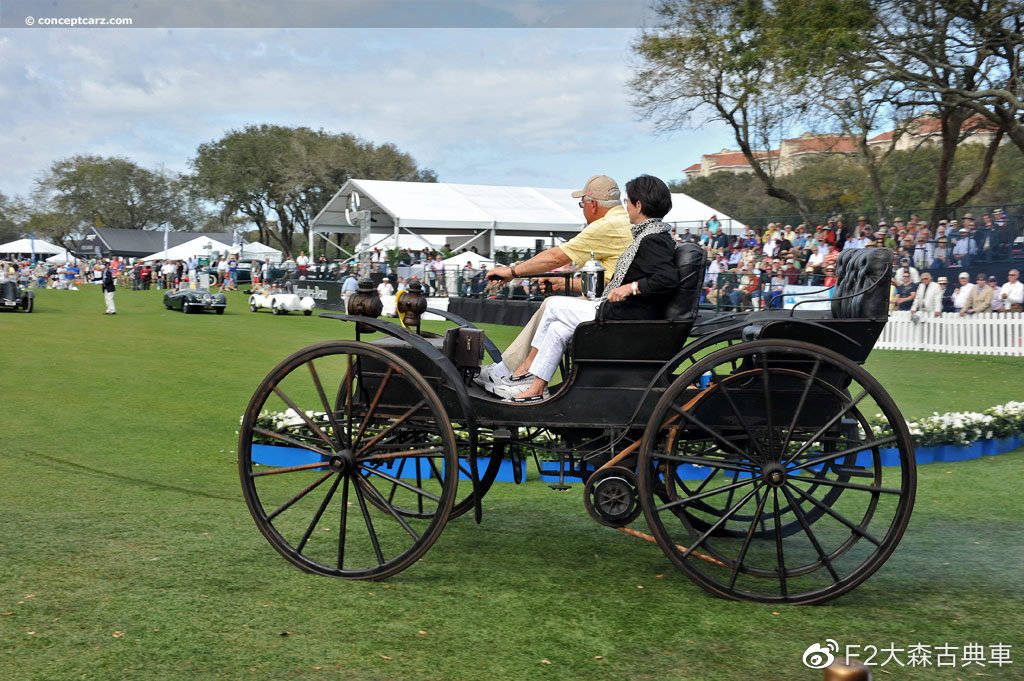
963 427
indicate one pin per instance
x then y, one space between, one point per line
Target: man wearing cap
962 292
965 248
606 236
108 289
928 300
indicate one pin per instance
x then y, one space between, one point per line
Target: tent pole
494 235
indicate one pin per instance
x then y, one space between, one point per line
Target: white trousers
108 298
556 327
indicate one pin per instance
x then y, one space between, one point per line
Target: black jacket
653 269
108 281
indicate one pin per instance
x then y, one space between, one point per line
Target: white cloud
490 106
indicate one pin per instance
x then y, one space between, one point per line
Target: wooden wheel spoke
856 529
798 512
846 485
740 417
401 419
369 523
710 463
718 523
831 422
375 493
778 543
800 404
319 513
846 452
401 483
309 422
706 480
372 407
342 524
703 495
750 535
707 429
292 441
286 505
429 452
288 469
323 400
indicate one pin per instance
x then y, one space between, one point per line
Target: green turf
126 551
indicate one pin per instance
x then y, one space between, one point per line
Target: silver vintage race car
281 303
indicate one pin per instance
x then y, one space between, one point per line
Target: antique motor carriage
767 464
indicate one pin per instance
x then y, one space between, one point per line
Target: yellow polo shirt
606 238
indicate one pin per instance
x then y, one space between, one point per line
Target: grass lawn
127 552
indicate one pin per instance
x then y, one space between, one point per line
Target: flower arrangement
289 422
961 427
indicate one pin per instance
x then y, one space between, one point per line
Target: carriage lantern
412 304
365 302
592 278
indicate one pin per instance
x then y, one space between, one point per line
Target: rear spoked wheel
348 461
771 485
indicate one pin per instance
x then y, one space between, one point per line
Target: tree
114 192
705 61
9 227
280 177
966 54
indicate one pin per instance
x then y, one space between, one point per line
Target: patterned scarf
641 231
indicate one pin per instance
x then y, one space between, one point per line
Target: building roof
818 144
695 166
139 242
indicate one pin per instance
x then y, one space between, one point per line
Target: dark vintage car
195 300
13 296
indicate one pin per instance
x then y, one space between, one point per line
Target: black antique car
195 300
768 464
14 296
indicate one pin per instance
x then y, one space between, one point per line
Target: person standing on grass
108 290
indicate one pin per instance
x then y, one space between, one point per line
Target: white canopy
260 251
203 245
62 257
26 246
445 208
461 259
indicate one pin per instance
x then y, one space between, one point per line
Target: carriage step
501 436
560 486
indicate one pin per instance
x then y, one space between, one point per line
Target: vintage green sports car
190 300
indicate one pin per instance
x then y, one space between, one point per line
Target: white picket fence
979 334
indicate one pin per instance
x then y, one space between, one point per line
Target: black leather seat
862 284
653 340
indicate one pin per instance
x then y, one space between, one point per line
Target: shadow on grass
126 478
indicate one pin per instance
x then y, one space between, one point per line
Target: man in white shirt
963 292
1012 292
302 263
928 300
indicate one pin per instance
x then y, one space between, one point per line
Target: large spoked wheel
348 461
791 495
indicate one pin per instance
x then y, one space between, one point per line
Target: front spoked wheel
770 485
348 461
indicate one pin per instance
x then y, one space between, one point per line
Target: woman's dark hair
652 193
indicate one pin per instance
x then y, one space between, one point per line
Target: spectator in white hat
962 292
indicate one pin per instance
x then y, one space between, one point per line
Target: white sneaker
507 387
483 379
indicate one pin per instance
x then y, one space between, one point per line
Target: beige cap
943 280
599 188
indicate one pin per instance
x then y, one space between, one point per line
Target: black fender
808 331
489 345
428 350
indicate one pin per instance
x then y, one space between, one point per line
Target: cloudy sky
526 106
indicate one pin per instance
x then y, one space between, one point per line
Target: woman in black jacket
645 280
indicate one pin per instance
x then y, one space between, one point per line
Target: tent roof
138 242
257 247
446 208
188 249
461 259
25 246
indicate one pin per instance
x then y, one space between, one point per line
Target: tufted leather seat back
857 270
691 261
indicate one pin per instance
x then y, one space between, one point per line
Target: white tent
439 208
461 259
203 245
258 251
26 246
62 257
